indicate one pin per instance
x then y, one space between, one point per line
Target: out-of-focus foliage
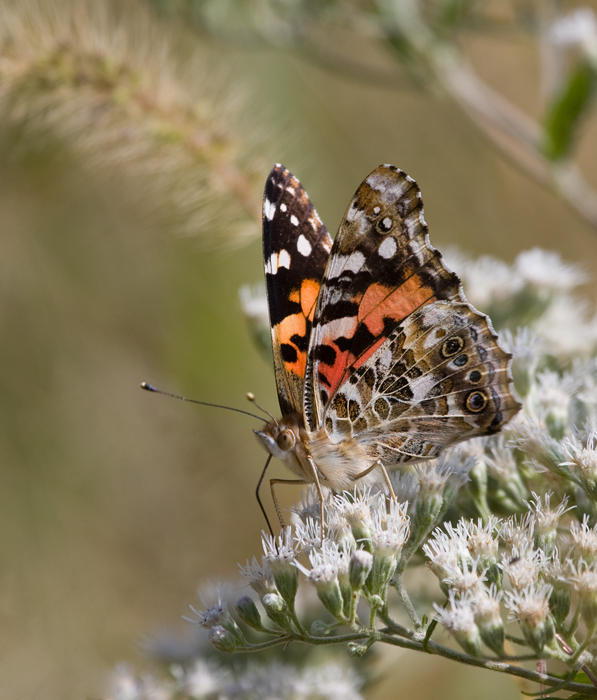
105 79
425 40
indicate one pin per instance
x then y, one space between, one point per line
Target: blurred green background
115 505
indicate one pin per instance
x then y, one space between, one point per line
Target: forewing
296 247
382 268
440 377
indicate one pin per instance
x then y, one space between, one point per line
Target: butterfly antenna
251 398
150 387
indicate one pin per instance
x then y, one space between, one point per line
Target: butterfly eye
452 346
285 440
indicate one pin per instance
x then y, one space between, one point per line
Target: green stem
301 630
404 597
574 622
394 627
491 664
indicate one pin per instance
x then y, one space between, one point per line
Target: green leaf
564 114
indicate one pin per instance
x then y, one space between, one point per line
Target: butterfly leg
275 500
314 471
384 471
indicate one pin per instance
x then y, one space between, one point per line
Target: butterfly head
280 438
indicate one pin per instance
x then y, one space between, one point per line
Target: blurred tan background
116 505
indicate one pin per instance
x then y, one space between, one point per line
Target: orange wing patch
293 331
308 294
379 302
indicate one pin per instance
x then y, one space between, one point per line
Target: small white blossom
434 474
529 605
522 567
254 304
500 460
212 615
482 538
307 534
585 540
258 577
464 580
542 451
278 550
458 616
582 457
518 533
550 397
310 505
546 518
446 550
486 605
405 485
486 279
568 327
126 685
459 620
577 28
326 563
546 270
356 507
390 530
583 576
204 679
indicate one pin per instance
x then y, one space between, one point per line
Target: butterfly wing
396 351
296 247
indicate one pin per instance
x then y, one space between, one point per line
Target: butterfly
379 359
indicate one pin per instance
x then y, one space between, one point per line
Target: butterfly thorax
337 465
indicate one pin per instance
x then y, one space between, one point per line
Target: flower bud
459 620
486 609
427 510
530 607
280 555
223 640
286 579
559 603
356 650
384 566
277 610
218 616
478 487
329 593
376 602
248 613
361 563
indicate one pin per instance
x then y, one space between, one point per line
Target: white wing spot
303 246
291 190
349 263
294 220
283 207
388 248
284 259
269 209
276 261
387 222
376 210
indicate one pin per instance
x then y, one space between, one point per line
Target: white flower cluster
535 291
515 582
207 680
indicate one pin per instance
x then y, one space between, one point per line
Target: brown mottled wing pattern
440 377
397 357
296 247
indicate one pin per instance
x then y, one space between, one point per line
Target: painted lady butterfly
379 358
